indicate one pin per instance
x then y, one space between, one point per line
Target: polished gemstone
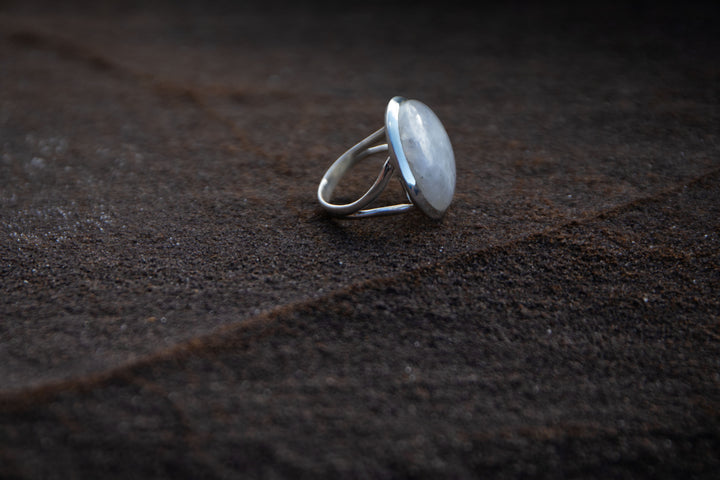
429 154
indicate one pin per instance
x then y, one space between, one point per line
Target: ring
418 147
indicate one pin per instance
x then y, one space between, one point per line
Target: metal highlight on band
337 170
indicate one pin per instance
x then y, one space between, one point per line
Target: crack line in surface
22 398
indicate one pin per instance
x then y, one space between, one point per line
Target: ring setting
418 148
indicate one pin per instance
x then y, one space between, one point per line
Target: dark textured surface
175 304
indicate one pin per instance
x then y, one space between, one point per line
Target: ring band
338 169
418 147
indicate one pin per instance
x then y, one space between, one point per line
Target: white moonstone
428 152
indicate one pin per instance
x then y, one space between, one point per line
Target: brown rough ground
174 303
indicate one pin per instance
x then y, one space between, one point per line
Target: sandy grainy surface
174 303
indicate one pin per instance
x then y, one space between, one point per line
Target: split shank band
341 166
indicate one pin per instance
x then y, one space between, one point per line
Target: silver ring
418 147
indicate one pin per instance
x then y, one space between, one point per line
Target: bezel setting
414 186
